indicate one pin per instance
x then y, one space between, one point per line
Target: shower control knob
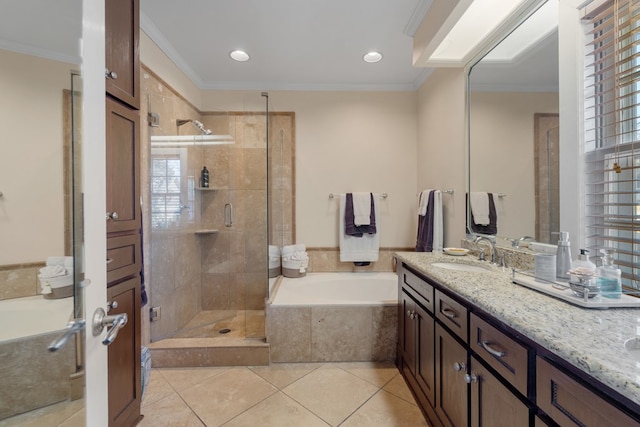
110 74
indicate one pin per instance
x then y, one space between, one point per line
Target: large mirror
513 132
41 377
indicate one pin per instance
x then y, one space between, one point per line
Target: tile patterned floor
281 395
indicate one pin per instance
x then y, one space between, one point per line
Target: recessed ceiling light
372 56
239 55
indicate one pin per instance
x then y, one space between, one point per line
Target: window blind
612 133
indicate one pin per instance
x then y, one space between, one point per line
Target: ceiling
294 45
301 45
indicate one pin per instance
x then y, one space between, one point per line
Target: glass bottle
609 277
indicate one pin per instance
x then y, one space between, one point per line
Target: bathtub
33 315
31 376
331 289
333 317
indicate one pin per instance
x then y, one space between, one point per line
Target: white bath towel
361 209
479 202
438 224
423 202
365 248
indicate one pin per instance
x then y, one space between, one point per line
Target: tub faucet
492 245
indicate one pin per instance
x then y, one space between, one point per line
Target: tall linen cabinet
123 216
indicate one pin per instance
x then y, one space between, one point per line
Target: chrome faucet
515 243
492 244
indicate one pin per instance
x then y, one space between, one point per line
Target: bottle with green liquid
609 276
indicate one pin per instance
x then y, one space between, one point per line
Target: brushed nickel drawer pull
449 313
487 346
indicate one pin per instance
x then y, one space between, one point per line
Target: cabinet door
425 358
124 356
407 332
122 34
122 157
569 403
492 404
452 400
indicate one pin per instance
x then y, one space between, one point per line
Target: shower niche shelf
209 188
205 232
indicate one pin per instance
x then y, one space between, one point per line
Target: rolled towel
52 271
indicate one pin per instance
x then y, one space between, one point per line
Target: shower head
198 125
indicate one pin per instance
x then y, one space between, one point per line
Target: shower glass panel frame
208 265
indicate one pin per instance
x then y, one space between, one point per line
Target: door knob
110 74
112 215
459 367
114 322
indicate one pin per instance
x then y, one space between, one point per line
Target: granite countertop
591 340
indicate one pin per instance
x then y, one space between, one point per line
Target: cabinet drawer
506 356
569 403
423 291
452 314
123 257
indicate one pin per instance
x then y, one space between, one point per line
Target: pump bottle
563 256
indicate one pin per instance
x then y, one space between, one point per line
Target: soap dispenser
584 265
563 256
609 277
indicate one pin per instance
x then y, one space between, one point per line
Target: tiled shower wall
225 270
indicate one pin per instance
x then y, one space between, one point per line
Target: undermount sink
461 267
633 347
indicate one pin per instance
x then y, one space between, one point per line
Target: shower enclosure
207 245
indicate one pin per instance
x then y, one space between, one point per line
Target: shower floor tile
209 323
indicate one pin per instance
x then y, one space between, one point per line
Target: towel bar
383 195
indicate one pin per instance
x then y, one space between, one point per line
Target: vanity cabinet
416 343
452 399
122 61
446 360
492 403
485 373
569 403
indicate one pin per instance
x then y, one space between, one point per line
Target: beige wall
441 145
347 141
31 164
502 153
156 60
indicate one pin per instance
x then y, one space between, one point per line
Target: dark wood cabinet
123 216
418 343
569 403
485 373
123 163
492 404
452 399
124 355
122 33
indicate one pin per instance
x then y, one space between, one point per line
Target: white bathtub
330 289
33 316
333 317
30 376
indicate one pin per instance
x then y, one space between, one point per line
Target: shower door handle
228 217
73 327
